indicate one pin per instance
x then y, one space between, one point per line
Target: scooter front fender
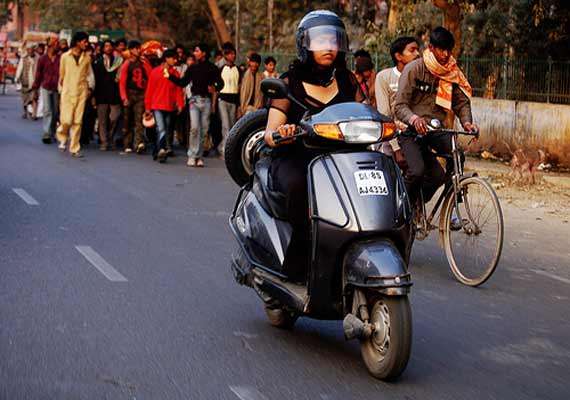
376 264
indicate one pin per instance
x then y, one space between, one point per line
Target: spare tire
242 143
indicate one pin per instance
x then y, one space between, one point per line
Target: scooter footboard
377 264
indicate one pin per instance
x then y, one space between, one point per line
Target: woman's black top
348 91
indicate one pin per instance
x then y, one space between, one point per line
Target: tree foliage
5 12
534 28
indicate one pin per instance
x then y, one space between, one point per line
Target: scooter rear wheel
280 318
242 142
387 351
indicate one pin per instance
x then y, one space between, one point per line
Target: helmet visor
326 37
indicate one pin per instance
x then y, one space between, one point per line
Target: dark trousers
133 120
181 129
289 177
424 171
88 125
108 117
215 129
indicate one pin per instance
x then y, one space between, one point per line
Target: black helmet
320 30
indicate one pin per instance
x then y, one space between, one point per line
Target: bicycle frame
455 180
457 192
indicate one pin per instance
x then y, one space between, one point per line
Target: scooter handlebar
277 138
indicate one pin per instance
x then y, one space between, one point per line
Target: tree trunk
270 23
491 84
451 20
218 40
219 23
134 14
393 16
20 19
381 10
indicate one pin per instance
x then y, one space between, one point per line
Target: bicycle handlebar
410 133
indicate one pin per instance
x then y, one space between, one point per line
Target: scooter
361 235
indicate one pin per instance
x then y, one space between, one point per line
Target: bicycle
462 196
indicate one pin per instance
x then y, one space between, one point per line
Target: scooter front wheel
387 351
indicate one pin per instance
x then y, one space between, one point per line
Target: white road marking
246 335
247 393
99 262
26 197
552 276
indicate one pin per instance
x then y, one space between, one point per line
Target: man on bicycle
428 88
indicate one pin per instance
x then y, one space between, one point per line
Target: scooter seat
274 202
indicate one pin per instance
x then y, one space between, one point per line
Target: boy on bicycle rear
428 88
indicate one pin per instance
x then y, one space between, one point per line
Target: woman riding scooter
325 194
318 78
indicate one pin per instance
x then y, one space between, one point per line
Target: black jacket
106 83
202 75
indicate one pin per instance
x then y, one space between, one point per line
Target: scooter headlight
361 131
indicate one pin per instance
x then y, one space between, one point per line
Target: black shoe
162 155
46 139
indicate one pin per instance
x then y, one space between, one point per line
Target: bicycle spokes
474 249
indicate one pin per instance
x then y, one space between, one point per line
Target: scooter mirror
277 89
435 123
274 88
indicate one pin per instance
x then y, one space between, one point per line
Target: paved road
161 317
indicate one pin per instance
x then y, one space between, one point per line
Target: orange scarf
448 75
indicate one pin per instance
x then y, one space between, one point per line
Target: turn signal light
388 130
329 131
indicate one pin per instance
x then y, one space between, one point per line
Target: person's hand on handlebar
420 124
284 131
469 127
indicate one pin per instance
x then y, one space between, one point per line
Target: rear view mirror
274 88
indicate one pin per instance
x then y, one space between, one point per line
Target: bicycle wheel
473 251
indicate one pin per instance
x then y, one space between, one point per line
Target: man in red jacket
163 98
135 73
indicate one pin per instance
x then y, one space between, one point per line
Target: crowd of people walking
133 97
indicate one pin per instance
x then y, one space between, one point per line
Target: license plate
371 183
